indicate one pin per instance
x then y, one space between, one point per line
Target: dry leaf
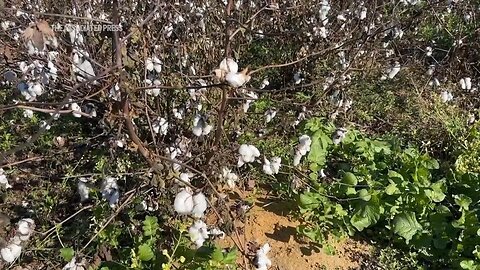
37 33
45 29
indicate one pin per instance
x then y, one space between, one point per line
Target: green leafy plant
399 193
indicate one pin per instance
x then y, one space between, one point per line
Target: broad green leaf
367 214
406 225
468 264
217 255
436 193
364 195
318 149
351 191
231 256
329 249
67 253
150 226
145 253
395 175
463 201
432 164
391 189
309 200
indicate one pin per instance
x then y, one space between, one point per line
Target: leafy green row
399 194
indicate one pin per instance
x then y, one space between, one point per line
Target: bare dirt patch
271 223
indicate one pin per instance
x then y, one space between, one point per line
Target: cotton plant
81 65
27 113
466 83
302 148
272 167
76 36
74 265
186 203
152 83
195 93
251 96
110 191
300 117
229 177
446 96
44 125
4 179
30 90
13 248
153 63
160 126
270 114
198 233
200 126
248 153
228 71
392 71
339 135
115 92
76 110
324 9
184 178
262 262
298 77
83 189
264 84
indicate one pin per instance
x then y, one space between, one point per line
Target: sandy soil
269 222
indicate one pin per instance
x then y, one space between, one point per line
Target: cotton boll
229 177
74 265
157 64
428 51
324 9
217 232
248 153
229 65
237 79
4 180
75 110
199 205
27 113
84 70
446 96
297 77
198 233
466 83
25 229
272 167
262 262
264 83
200 127
270 114
25 226
252 96
302 148
11 252
160 126
36 89
83 189
339 135
394 70
184 178
183 203
110 191
149 64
